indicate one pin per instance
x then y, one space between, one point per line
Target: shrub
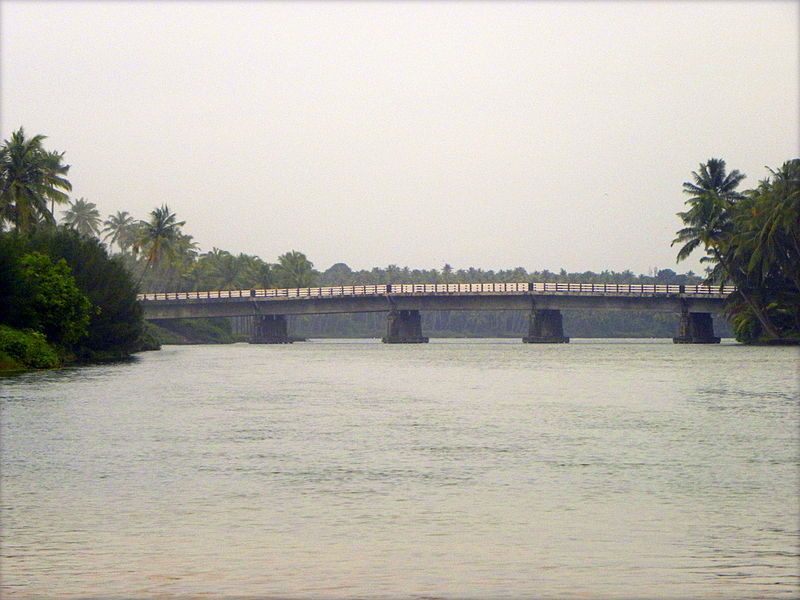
28 348
116 326
55 306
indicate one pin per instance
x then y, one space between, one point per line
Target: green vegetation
53 303
66 287
83 217
62 298
25 350
752 240
30 177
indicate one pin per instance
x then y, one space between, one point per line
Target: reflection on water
469 468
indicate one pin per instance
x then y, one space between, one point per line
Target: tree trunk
760 315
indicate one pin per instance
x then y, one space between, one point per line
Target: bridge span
403 303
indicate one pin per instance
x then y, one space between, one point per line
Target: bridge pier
404 327
695 328
270 329
546 327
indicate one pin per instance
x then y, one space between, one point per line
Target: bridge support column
270 329
546 327
696 328
404 327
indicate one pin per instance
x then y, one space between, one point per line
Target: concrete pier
404 327
270 329
696 328
546 327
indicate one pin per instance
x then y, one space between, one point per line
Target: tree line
162 256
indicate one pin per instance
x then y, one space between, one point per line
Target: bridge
403 302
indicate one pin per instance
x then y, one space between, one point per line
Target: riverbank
26 350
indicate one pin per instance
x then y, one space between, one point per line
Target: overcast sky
542 135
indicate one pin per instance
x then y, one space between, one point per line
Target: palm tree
447 273
770 225
158 237
30 176
712 197
263 275
295 270
83 217
119 229
227 272
766 244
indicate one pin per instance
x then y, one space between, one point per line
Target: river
460 468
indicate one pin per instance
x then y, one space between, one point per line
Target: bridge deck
428 297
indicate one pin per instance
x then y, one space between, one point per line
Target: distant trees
295 270
751 239
447 273
30 178
83 217
158 237
120 229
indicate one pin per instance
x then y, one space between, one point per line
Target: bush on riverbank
25 350
65 287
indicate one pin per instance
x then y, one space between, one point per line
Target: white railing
615 289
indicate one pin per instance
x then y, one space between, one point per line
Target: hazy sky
542 135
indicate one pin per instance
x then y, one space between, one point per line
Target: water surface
462 468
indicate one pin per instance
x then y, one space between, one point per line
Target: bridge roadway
403 302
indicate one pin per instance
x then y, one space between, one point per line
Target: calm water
455 469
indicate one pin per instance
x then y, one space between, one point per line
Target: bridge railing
459 288
449 288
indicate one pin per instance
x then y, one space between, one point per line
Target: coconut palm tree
447 273
83 217
263 275
119 229
158 237
712 196
30 176
295 270
769 223
766 245
709 223
227 272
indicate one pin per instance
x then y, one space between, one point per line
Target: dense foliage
60 293
53 303
65 286
25 349
750 239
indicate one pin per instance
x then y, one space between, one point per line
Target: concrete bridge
404 302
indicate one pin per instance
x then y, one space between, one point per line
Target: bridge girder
238 307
